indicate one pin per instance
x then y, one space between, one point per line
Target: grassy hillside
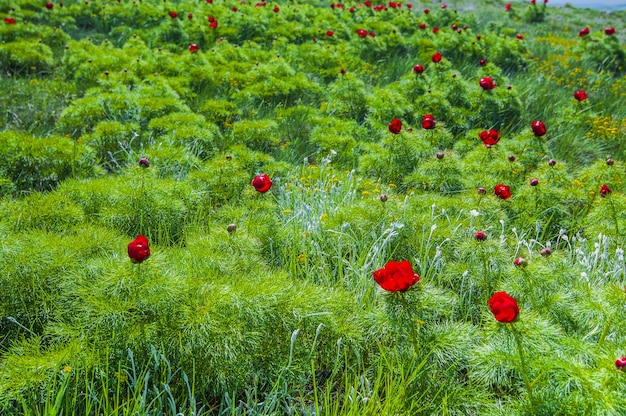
283 160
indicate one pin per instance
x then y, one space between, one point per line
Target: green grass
265 304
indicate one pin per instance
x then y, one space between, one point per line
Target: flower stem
522 357
614 214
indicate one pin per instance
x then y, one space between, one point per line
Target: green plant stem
614 215
605 331
520 351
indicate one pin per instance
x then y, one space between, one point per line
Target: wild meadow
226 207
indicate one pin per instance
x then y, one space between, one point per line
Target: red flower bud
437 57
620 363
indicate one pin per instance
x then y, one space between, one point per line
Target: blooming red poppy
367 3
276 9
620 363
234 8
504 307
409 6
580 95
9 20
435 30
487 83
262 183
396 276
49 5
395 126
507 7
482 62
480 236
583 32
211 19
422 26
190 16
329 33
490 137
428 122
418 69
362 33
193 48
372 35
426 11
455 27
444 6
138 249
502 191
538 127
609 31
533 1
519 36
604 190
351 10
437 57
173 15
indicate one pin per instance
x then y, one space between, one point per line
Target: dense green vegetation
264 303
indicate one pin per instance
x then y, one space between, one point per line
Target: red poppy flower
428 122
173 15
409 6
362 33
276 9
502 191
583 32
604 190
190 16
444 6
9 20
490 137
193 48
372 35
436 57
367 3
351 10
482 62
580 95
262 183
504 307
519 36
144 162
609 31
213 24
533 1
396 276
211 19
435 30
418 69
395 126
426 11
138 249
49 5
234 8
455 27
538 127
329 33
620 363
507 7
487 83
422 26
